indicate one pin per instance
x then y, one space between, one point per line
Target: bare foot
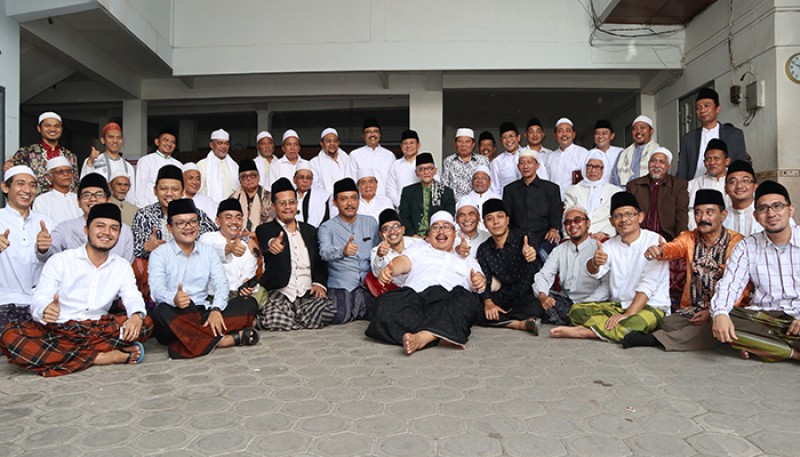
128 354
572 332
744 354
412 342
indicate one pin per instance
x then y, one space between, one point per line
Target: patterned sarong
595 316
763 333
307 311
59 349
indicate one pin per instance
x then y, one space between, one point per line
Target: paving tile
777 443
282 443
405 445
532 445
671 425
620 427
722 444
438 426
109 437
659 445
268 423
322 425
596 444
380 426
469 445
50 436
222 442
344 444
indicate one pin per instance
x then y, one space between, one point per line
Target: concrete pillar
10 82
264 121
426 113
187 130
134 128
647 106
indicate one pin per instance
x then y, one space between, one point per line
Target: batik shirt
35 156
457 174
151 216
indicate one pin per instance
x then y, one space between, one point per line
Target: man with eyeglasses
740 186
509 263
193 315
372 155
706 251
150 224
594 194
568 262
420 201
70 234
313 202
255 200
769 326
345 242
22 255
332 163
59 202
439 302
393 243
370 204
716 164
639 290
297 277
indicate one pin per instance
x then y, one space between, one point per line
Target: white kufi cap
56 162
49 115
288 134
263 134
645 119
465 132
220 135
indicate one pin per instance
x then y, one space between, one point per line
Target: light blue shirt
197 273
347 272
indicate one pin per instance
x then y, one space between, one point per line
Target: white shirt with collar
85 292
742 220
706 182
263 166
378 263
146 173
379 159
474 242
374 207
402 173
504 171
562 163
327 171
21 263
706 135
237 269
57 206
569 263
283 168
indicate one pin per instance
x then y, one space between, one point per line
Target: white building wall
9 79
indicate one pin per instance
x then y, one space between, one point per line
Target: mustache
705 223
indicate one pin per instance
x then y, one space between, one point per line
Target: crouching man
438 301
72 329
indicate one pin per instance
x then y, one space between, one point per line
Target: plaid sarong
595 316
763 333
59 349
307 311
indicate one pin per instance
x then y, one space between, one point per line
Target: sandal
532 325
130 353
247 337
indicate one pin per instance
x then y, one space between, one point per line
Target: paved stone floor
332 392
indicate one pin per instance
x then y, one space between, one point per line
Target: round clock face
793 68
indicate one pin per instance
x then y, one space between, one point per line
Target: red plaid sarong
59 349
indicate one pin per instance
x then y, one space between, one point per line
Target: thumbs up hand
235 246
384 248
478 281
600 256
276 245
4 242
528 251
351 248
43 239
654 252
463 248
386 275
93 155
51 312
153 242
182 299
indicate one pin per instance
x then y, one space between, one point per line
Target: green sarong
595 316
763 333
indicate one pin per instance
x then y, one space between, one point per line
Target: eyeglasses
577 221
391 228
244 176
304 177
286 202
183 224
626 215
425 169
594 167
88 195
442 228
776 207
62 171
735 182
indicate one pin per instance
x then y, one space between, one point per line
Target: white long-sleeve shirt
742 220
705 182
378 263
21 263
282 168
379 159
432 267
85 292
774 271
569 263
327 171
146 173
237 269
562 163
402 173
631 272
57 206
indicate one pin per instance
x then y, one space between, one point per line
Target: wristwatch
215 308
140 313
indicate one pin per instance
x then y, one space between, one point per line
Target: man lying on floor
437 302
72 329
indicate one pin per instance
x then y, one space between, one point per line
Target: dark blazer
277 268
673 203
411 206
690 148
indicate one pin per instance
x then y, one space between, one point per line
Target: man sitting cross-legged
180 275
639 289
568 262
705 250
509 263
72 329
437 302
769 326
295 275
393 243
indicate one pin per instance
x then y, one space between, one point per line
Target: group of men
596 242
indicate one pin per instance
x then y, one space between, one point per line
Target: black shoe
634 339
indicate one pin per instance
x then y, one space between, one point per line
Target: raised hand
236 247
477 280
153 242
528 251
600 256
386 275
43 239
463 248
384 248
182 299
654 252
4 242
51 312
93 155
276 245
351 248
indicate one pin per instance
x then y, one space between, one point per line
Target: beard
99 248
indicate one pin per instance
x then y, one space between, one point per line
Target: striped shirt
774 271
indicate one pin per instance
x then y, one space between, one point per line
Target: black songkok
230 204
169 172
491 205
388 215
344 185
709 197
104 210
181 206
772 187
624 198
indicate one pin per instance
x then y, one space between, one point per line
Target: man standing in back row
372 155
